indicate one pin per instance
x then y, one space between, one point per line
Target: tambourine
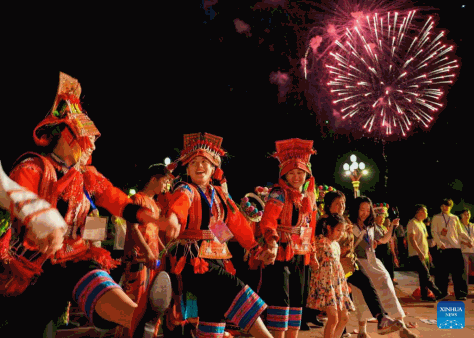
250 210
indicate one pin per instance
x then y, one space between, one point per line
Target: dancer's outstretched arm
45 225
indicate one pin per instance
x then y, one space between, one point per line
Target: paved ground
416 311
408 282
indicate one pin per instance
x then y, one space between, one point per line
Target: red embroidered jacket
39 174
185 202
279 212
149 231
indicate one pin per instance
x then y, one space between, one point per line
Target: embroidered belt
197 235
298 230
210 247
298 236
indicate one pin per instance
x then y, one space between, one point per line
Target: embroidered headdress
206 145
66 109
381 209
294 154
322 191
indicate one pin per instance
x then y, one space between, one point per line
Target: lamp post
355 171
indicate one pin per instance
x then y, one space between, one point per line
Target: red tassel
101 256
204 266
180 265
289 252
254 263
196 263
229 267
280 254
173 263
17 275
5 243
306 259
218 174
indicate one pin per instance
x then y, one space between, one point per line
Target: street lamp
167 161
355 171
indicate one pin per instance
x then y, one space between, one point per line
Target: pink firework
388 73
341 15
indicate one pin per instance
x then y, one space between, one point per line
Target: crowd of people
193 261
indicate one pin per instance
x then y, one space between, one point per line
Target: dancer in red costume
78 269
201 217
136 274
288 228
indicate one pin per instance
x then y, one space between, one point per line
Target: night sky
150 75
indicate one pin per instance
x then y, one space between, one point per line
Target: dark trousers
434 259
424 277
360 280
28 314
402 251
284 282
450 261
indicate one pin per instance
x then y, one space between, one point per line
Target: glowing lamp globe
132 192
348 172
346 166
167 161
353 158
354 166
365 172
362 165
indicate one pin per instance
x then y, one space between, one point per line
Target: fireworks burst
387 74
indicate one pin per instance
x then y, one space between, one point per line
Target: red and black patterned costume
289 217
201 262
78 269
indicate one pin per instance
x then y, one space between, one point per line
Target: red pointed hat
202 144
294 154
66 109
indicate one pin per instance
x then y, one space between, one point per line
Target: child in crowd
328 290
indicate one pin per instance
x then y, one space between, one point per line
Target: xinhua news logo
451 315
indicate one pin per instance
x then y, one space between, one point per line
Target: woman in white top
362 216
467 248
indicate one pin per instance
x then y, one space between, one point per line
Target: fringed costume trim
90 288
277 318
210 330
294 319
245 309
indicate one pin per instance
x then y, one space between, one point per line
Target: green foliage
4 221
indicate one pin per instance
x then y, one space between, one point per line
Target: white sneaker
388 325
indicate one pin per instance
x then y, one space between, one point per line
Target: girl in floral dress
328 289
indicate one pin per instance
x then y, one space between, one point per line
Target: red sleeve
271 213
28 174
106 195
179 204
240 227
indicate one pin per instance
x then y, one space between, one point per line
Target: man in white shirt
448 232
467 250
418 252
